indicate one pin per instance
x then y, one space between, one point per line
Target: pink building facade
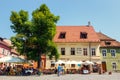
5 48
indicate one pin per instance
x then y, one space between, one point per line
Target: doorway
104 68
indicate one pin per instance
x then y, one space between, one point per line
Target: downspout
90 57
89 51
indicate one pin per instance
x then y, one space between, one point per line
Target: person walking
59 70
55 71
65 69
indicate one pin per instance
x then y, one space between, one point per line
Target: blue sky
104 15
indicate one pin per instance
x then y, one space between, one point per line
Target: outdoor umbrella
11 59
87 62
80 62
68 62
60 62
73 62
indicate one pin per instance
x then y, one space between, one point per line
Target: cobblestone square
93 76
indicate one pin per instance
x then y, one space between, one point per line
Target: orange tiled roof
8 42
4 43
104 38
73 34
113 44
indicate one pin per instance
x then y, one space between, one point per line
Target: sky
104 15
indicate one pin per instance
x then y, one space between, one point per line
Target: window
107 42
83 35
72 65
8 52
79 50
62 64
72 51
52 63
114 66
93 52
3 51
62 35
85 51
62 51
104 51
113 51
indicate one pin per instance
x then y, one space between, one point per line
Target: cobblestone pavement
114 76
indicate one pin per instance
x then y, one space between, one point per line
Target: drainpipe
89 51
90 56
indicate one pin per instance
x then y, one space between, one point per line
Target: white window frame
3 51
92 51
105 53
114 52
79 50
8 52
114 65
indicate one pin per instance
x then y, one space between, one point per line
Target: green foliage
54 52
34 37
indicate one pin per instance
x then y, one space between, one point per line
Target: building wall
110 59
78 53
4 50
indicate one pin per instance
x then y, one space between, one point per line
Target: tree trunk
39 60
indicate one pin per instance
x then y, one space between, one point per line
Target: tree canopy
35 37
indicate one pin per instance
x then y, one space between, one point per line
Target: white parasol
11 59
60 62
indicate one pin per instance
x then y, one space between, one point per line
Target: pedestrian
99 70
65 69
59 70
55 70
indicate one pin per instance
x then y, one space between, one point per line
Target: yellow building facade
76 43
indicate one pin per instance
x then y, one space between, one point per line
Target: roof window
107 42
62 35
83 35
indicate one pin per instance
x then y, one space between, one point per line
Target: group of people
61 70
18 70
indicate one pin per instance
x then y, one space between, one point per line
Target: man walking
59 70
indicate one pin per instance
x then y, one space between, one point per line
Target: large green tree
35 37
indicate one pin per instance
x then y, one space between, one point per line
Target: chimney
1 39
89 23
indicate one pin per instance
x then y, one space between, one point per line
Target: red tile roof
8 42
73 34
113 44
4 43
104 38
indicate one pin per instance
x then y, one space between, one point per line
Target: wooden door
104 66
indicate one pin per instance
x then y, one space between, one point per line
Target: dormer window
62 35
107 42
83 35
